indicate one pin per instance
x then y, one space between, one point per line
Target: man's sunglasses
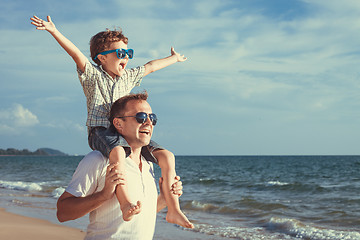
141 117
120 53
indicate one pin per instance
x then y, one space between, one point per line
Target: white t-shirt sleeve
85 179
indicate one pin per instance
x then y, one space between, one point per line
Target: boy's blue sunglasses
120 53
141 117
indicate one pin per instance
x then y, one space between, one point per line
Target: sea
226 197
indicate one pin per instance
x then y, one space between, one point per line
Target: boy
103 85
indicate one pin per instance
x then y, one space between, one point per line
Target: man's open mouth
147 132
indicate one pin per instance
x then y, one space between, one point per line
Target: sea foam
57 192
276 183
298 229
18 185
243 233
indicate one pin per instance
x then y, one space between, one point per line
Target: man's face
111 63
136 134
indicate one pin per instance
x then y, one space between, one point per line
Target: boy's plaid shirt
101 91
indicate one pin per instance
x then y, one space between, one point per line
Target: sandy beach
16 227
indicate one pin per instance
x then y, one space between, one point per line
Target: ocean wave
207 181
209 207
245 206
251 203
243 233
296 187
298 229
276 183
196 205
210 181
18 185
276 229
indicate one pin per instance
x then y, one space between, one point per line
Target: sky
263 77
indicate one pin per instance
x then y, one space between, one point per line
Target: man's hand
180 58
176 188
112 179
42 24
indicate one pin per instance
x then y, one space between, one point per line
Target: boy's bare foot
178 218
130 210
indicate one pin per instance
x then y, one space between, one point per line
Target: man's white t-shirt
106 221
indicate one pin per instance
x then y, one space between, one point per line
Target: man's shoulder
87 174
94 157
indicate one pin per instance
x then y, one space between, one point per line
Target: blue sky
262 77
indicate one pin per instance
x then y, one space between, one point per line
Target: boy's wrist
53 32
174 58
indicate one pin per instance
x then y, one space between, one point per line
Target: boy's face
111 63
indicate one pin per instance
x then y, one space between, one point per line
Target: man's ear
117 124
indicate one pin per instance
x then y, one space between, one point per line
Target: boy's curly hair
102 41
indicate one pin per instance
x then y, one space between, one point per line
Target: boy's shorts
105 139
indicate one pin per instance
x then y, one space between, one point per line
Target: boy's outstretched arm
158 64
65 43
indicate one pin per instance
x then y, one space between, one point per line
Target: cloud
294 62
16 118
67 125
7 130
23 117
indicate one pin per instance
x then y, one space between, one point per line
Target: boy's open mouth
123 65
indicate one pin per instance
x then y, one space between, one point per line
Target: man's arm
70 207
158 64
65 43
176 189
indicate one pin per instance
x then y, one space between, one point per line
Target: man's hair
119 106
101 42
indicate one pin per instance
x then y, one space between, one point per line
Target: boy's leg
166 162
117 155
114 146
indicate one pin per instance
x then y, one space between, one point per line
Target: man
92 187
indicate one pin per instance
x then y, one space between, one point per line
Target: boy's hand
43 25
180 58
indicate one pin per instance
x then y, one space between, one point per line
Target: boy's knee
116 152
163 153
164 157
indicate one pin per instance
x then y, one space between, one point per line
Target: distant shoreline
26 152
17 155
